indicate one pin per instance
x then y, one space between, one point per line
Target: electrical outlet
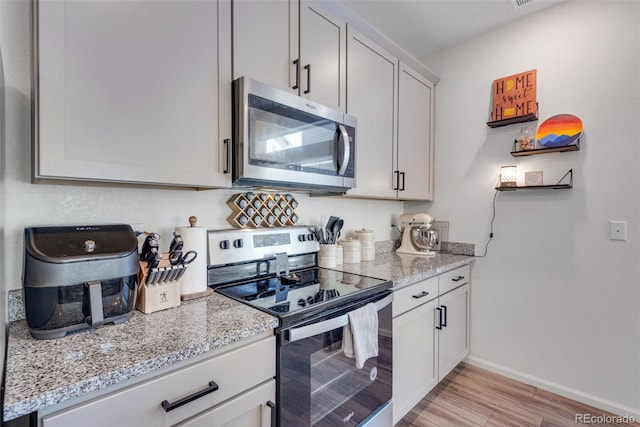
617 230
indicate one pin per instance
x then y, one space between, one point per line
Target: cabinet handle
421 295
439 310
457 279
308 68
167 406
297 64
444 309
397 184
272 407
227 168
402 187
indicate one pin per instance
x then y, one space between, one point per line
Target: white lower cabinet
232 388
453 337
430 335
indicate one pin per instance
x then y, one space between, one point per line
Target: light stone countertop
405 269
43 373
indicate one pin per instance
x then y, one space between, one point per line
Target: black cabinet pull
457 279
227 144
421 295
397 184
439 325
297 64
272 406
444 309
308 68
402 186
167 406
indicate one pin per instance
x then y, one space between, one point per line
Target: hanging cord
493 217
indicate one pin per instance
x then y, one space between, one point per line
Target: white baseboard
577 395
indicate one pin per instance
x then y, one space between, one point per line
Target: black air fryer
78 277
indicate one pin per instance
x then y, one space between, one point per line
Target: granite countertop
42 373
405 269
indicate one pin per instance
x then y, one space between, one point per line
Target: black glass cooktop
304 292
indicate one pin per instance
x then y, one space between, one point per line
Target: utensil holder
327 255
152 298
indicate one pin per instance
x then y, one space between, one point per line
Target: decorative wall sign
514 99
559 130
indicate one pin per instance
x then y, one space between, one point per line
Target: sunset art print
559 130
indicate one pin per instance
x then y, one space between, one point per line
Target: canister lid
77 243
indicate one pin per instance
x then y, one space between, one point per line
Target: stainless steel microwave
285 141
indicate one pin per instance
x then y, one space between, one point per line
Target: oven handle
296 334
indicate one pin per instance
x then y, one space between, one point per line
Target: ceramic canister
367 244
351 251
327 256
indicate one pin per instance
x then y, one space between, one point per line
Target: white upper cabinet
128 91
371 97
415 135
293 45
394 108
264 41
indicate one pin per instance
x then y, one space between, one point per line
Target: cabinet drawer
234 372
454 278
414 295
251 409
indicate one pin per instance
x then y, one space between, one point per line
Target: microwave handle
343 141
297 334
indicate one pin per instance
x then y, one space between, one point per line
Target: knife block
152 298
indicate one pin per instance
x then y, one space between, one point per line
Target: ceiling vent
520 3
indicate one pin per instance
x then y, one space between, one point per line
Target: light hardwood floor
471 396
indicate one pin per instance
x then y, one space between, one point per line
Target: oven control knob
310 236
224 244
302 302
310 300
302 238
238 243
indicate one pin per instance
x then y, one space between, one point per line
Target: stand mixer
417 236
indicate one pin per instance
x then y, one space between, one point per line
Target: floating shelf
572 147
520 119
558 186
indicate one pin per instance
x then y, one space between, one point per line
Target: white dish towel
360 336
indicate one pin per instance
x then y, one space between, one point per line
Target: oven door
319 386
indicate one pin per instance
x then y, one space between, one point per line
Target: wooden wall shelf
572 147
558 186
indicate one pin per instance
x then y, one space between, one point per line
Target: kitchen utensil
335 229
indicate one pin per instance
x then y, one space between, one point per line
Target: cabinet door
371 97
453 338
251 409
323 40
415 135
265 41
128 91
414 357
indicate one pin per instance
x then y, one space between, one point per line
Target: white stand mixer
417 236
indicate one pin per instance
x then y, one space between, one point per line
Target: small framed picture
533 178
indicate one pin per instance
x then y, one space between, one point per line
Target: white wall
555 302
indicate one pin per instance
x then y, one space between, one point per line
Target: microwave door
285 144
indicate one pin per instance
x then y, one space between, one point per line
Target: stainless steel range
275 270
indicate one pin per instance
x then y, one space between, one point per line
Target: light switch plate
617 230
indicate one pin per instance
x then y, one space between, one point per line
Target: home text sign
514 97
